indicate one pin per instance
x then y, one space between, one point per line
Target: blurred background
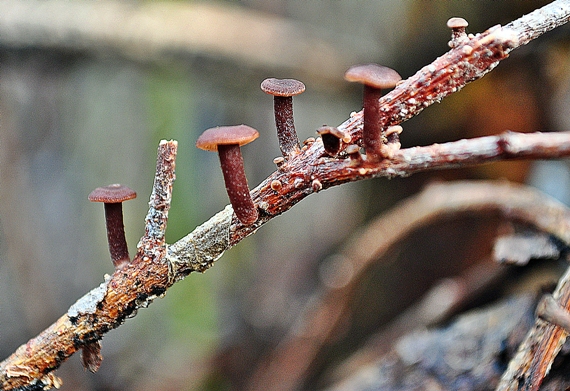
87 90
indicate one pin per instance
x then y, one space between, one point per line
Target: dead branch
107 306
157 266
466 354
288 363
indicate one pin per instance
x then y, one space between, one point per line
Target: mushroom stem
372 136
233 170
116 234
288 140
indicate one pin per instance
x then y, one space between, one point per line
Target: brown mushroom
113 196
227 141
458 34
353 152
331 139
375 78
283 91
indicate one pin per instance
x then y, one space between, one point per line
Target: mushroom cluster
227 140
378 143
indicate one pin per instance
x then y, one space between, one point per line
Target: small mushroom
331 139
458 34
353 152
227 140
113 196
393 144
375 78
283 91
276 185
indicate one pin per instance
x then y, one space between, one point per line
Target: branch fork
156 265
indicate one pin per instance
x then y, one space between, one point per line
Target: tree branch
157 266
107 306
312 171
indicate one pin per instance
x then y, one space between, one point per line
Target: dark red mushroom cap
373 75
282 87
112 194
455 23
226 135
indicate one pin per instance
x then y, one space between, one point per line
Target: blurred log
157 31
469 354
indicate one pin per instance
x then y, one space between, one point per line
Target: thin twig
107 306
538 22
153 271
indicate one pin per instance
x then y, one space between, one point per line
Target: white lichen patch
198 250
88 303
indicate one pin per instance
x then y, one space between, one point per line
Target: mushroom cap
353 148
373 75
330 130
455 23
282 87
226 135
112 194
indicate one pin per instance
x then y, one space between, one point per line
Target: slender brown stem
372 136
116 234
231 161
288 141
